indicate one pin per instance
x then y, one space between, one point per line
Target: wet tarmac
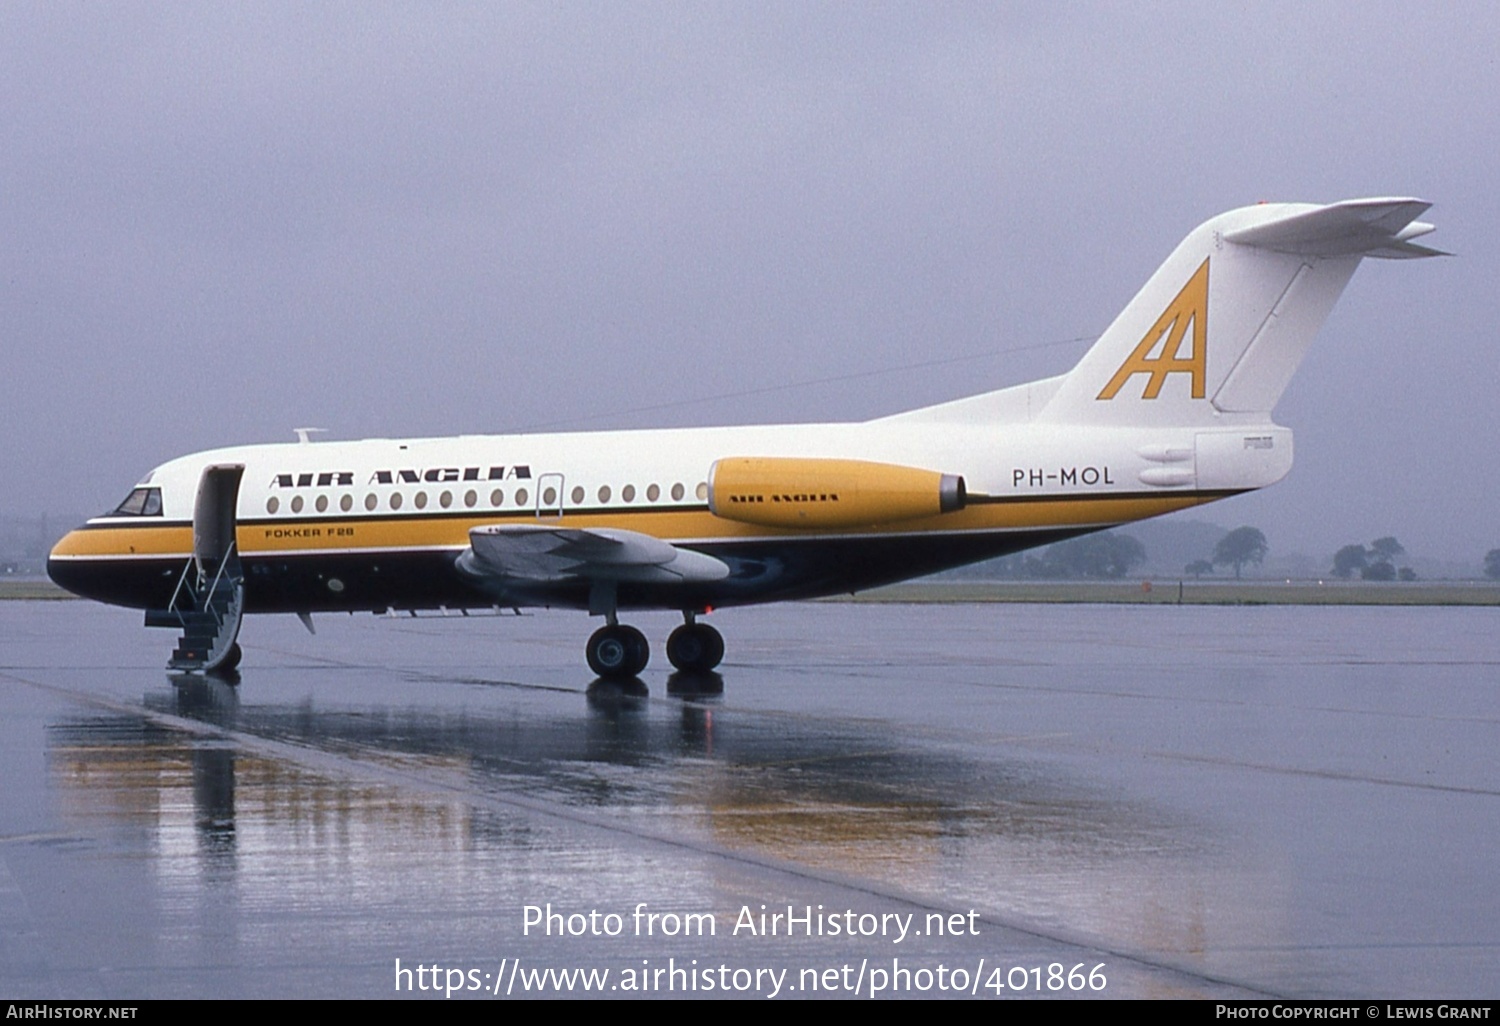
1203 801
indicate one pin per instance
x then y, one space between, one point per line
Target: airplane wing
536 552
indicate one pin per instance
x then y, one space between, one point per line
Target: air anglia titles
427 475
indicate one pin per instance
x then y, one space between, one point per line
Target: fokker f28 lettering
1170 408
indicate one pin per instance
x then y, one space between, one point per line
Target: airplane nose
65 573
93 564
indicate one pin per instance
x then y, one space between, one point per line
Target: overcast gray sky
220 222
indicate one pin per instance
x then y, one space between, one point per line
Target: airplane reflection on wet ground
1229 802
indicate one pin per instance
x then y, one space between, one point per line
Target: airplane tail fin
1223 324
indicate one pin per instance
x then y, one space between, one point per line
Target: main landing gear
695 646
617 651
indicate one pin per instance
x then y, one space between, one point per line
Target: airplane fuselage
378 524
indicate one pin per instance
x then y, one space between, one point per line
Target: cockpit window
143 502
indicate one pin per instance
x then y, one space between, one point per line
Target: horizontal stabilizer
537 552
1364 227
1224 322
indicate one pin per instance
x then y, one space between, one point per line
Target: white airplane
1170 408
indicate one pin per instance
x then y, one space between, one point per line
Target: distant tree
1107 555
1349 560
1376 563
1492 564
1240 546
1199 567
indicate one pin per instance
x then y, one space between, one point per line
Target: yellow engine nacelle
774 491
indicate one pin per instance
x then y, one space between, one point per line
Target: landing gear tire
617 652
695 646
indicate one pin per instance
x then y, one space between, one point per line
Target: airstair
209 600
207 610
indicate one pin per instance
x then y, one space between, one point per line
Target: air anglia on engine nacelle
1170 408
817 493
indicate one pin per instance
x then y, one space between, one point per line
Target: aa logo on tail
1190 307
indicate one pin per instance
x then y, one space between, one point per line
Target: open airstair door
210 598
214 519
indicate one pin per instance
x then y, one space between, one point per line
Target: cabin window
520 496
346 503
604 493
678 492
296 504
371 501
549 497
497 497
273 504
421 500
395 500
322 504
652 493
445 500
470 498
702 492
142 502
628 493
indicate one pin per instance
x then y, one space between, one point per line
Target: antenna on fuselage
302 434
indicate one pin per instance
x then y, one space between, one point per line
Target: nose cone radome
65 571
96 563
76 563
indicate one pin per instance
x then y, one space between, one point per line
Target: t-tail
1216 334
